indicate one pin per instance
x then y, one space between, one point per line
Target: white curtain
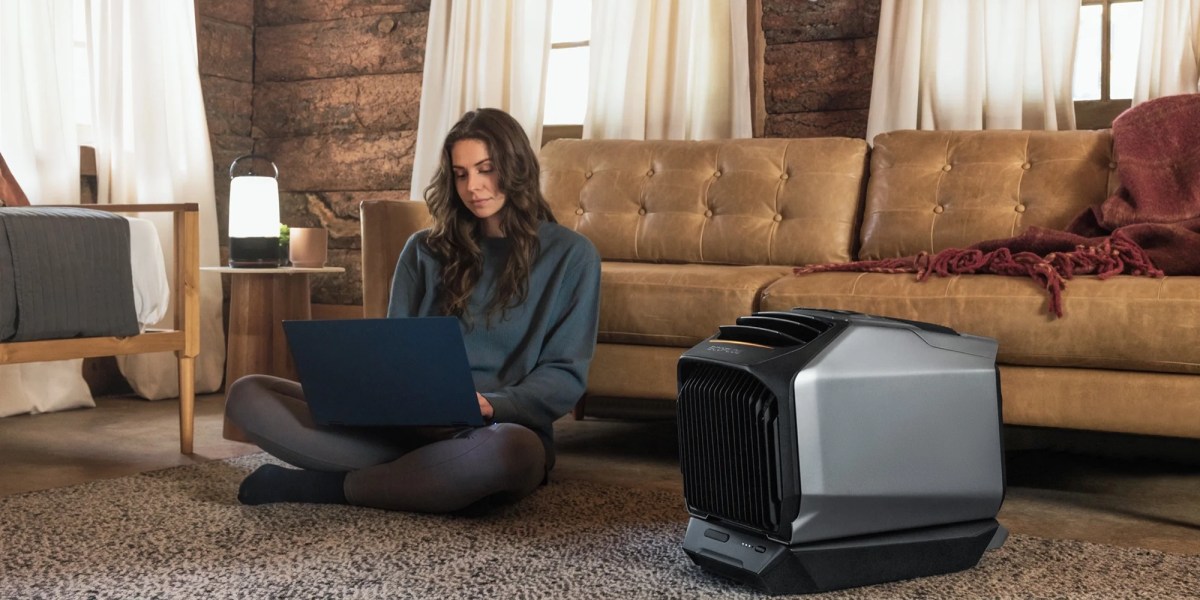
480 54
1169 57
669 69
152 147
983 64
37 110
39 143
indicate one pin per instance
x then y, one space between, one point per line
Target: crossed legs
409 469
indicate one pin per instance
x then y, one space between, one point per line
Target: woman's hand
485 407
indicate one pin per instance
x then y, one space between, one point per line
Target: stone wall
817 66
330 91
337 90
225 40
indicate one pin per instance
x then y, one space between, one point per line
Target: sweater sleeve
560 377
408 286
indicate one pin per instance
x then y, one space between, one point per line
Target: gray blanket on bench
64 272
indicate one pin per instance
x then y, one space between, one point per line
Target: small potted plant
284 246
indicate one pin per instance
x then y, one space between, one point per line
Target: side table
260 300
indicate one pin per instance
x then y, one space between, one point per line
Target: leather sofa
696 234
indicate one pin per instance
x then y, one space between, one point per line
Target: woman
526 292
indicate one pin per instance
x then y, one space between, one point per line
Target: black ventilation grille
728 446
774 329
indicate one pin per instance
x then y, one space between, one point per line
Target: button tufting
777 218
650 173
1112 165
708 213
937 210
587 175
783 176
579 211
1026 166
1020 208
946 167
641 211
717 174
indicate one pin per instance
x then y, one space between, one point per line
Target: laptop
384 372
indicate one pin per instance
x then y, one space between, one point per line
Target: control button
760 549
946 167
939 209
713 534
1020 208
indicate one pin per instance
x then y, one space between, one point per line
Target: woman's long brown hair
455 236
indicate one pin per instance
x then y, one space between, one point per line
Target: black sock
272 483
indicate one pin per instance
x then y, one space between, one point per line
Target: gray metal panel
894 432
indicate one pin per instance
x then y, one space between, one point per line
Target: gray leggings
411 469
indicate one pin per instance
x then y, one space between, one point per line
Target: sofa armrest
386 226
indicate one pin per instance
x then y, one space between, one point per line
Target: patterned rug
180 533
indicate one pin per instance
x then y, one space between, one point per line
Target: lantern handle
245 156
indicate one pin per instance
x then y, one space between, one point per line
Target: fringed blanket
1149 227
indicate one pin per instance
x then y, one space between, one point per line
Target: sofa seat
676 305
1123 323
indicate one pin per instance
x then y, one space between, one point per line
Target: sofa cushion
743 202
1125 323
932 190
676 305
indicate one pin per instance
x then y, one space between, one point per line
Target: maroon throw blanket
1149 227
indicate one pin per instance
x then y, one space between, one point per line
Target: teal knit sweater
531 365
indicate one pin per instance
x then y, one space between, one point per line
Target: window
82 73
567 71
1106 57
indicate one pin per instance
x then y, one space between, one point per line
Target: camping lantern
253 213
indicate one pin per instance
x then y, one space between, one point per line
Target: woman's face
478 183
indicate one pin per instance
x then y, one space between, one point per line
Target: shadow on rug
181 533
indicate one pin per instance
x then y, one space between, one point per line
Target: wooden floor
1121 490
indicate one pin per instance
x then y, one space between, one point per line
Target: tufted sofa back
741 202
931 190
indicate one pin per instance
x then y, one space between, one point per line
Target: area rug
180 533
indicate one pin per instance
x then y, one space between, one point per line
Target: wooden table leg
258 305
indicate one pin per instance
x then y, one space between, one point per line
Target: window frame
551 132
1099 114
556 131
756 49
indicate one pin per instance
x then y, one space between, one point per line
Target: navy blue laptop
384 372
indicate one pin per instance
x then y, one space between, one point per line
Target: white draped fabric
152 147
37 109
480 54
669 69
985 64
1169 56
39 143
